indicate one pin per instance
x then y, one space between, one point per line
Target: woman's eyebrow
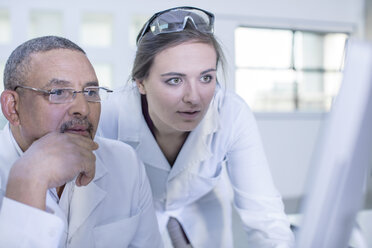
209 70
173 74
182 74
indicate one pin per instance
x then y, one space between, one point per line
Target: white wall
289 140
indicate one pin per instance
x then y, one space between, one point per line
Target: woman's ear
9 106
141 87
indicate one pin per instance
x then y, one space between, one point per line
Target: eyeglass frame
52 92
148 23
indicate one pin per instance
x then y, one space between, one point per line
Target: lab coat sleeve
147 234
256 199
25 226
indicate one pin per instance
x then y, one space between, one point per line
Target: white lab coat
193 190
114 210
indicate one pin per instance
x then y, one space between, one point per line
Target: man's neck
16 132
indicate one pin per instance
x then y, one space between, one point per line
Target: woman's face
180 86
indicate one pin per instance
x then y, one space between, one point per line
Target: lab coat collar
196 149
136 133
86 198
10 149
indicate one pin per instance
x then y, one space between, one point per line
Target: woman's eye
173 81
206 79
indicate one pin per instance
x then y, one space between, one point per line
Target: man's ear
9 106
141 87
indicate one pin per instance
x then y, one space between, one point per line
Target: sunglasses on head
175 20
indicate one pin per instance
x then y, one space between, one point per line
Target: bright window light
96 30
44 22
5 34
256 47
137 22
288 70
104 74
2 118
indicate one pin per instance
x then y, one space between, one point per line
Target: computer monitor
335 191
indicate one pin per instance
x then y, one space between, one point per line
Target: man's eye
59 92
92 92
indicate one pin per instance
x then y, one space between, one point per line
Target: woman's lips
189 114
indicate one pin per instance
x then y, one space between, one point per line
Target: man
59 184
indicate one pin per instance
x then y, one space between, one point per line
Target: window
4 27
104 75
137 23
288 70
2 118
43 22
2 67
96 30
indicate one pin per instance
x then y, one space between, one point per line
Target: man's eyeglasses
66 95
175 20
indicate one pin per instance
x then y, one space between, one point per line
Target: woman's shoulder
229 101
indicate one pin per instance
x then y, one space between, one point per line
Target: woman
188 130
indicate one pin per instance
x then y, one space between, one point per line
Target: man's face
58 68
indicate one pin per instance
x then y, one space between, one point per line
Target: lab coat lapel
10 149
85 199
135 132
197 146
150 152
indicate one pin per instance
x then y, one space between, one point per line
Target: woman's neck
169 143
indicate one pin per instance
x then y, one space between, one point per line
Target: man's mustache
77 122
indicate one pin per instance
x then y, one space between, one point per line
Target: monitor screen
335 191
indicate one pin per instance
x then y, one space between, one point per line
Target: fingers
82 141
88 170
88 167
71 156
84 178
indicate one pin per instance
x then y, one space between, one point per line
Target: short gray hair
18 63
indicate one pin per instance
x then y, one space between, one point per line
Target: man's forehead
62 68
56 53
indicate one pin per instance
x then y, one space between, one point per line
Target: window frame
292 67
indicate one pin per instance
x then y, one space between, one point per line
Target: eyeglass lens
68 95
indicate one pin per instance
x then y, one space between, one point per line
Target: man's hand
49 162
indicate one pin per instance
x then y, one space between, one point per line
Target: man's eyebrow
92 83
65 83
58 82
